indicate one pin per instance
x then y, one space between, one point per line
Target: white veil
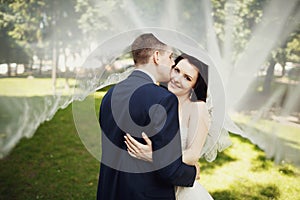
101 71
22 111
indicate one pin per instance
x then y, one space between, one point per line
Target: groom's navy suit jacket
135 105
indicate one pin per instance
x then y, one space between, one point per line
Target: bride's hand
139 150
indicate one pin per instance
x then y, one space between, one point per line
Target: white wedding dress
197 191
193 193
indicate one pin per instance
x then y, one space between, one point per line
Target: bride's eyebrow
190 77
187 75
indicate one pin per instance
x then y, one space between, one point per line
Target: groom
135 105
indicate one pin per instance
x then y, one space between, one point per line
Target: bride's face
183 78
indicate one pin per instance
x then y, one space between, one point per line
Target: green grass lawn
284 131
24 87
55 165
243 172
281 139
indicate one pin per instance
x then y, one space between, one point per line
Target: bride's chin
173 91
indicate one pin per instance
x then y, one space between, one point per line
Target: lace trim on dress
222 143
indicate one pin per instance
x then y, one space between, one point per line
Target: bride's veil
110 63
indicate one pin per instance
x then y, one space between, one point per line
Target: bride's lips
174 85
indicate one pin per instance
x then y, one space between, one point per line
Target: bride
188 82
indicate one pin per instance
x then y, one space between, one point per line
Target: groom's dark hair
144 46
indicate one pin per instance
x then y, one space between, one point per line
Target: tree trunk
40 67
54 67
54 49
16 69
25 68
67 86
8 70
269 77
283 71
30 67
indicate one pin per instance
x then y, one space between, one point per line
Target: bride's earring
191 93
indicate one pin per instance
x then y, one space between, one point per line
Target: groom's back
125 108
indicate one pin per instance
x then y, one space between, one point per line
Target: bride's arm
197 132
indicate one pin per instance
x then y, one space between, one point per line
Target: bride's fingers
129 149
134 141
129 142
148 141
130 145
131 154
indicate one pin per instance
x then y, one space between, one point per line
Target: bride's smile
183 78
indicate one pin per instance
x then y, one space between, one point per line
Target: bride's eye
188 78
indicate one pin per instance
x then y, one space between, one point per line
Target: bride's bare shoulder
199 108
200 112
199 105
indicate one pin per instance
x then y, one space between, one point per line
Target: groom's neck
150 69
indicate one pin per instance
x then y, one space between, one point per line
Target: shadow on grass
222 159
261 163
248 191
287 170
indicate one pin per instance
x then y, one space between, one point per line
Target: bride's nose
176 78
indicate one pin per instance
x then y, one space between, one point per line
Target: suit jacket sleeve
166 144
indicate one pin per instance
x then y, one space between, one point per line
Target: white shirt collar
146 72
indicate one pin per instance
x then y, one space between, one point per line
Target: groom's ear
156 57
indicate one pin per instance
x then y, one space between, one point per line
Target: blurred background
255 45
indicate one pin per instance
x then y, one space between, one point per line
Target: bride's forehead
187 67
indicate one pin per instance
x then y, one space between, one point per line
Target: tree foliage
239 16
12 50
41 26
92 16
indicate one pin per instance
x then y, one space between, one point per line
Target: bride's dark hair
199 92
